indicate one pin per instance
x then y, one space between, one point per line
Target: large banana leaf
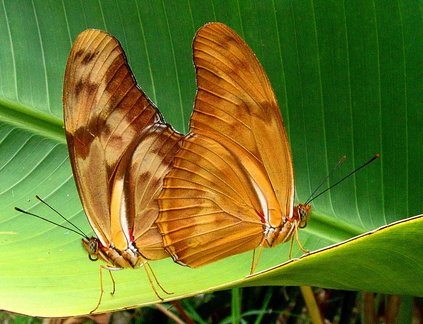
348 77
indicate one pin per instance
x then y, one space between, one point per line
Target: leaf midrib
35 122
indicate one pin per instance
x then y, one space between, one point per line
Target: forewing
106 118
235 100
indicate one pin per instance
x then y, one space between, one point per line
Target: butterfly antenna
311 198
77 230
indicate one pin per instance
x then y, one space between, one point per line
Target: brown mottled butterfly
231 186
120 149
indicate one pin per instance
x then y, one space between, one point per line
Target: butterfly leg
150 273
101 285
297 239
255 259
113 283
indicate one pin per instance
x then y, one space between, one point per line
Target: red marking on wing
131 235
261 215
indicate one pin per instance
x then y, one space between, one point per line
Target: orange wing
231 185
120 148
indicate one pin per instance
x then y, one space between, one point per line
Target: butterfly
230 188
120 150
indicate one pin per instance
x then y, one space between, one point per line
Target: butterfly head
92 246
300 215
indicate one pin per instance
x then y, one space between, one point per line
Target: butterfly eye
303 213
91 246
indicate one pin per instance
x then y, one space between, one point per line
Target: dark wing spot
82 142
79 53
89 57
88 88
79 86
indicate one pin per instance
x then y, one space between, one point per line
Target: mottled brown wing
235 100
231 185
115 134
151 161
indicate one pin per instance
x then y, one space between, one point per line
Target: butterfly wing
233 174
235 100
151 161
111 126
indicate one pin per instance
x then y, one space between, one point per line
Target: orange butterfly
120 149
231 186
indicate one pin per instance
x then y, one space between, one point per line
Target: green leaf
348 79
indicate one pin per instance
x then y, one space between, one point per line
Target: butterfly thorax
272 236
277 235
129 258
